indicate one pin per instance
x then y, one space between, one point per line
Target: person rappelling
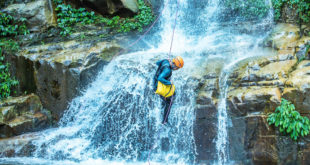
163 86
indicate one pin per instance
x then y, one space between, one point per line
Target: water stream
117 118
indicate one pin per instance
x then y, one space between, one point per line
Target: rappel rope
172 97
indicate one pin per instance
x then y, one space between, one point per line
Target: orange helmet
178 61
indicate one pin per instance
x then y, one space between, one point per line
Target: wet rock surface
256 87
57 72
23 114
205 128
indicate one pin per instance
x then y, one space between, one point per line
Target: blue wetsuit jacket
163 73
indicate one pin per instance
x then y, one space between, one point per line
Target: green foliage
302 6
142 19
248 10
9 26
6 82
289 120
68 16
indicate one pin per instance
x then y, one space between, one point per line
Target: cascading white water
117 119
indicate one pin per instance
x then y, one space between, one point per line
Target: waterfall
117 119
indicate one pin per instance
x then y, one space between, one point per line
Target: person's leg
168 104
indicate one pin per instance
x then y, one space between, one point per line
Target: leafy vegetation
6 81
68 17
289 120
143 18
247 10
302 6
9 26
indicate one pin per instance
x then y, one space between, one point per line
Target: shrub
289 120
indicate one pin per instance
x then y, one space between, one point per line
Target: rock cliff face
58 68
257 86
57 72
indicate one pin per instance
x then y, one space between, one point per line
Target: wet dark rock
23 114
57 72
256 87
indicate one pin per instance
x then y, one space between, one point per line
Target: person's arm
162 77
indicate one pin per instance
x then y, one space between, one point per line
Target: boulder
39 14
23 114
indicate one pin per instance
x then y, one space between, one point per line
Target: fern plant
289 120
